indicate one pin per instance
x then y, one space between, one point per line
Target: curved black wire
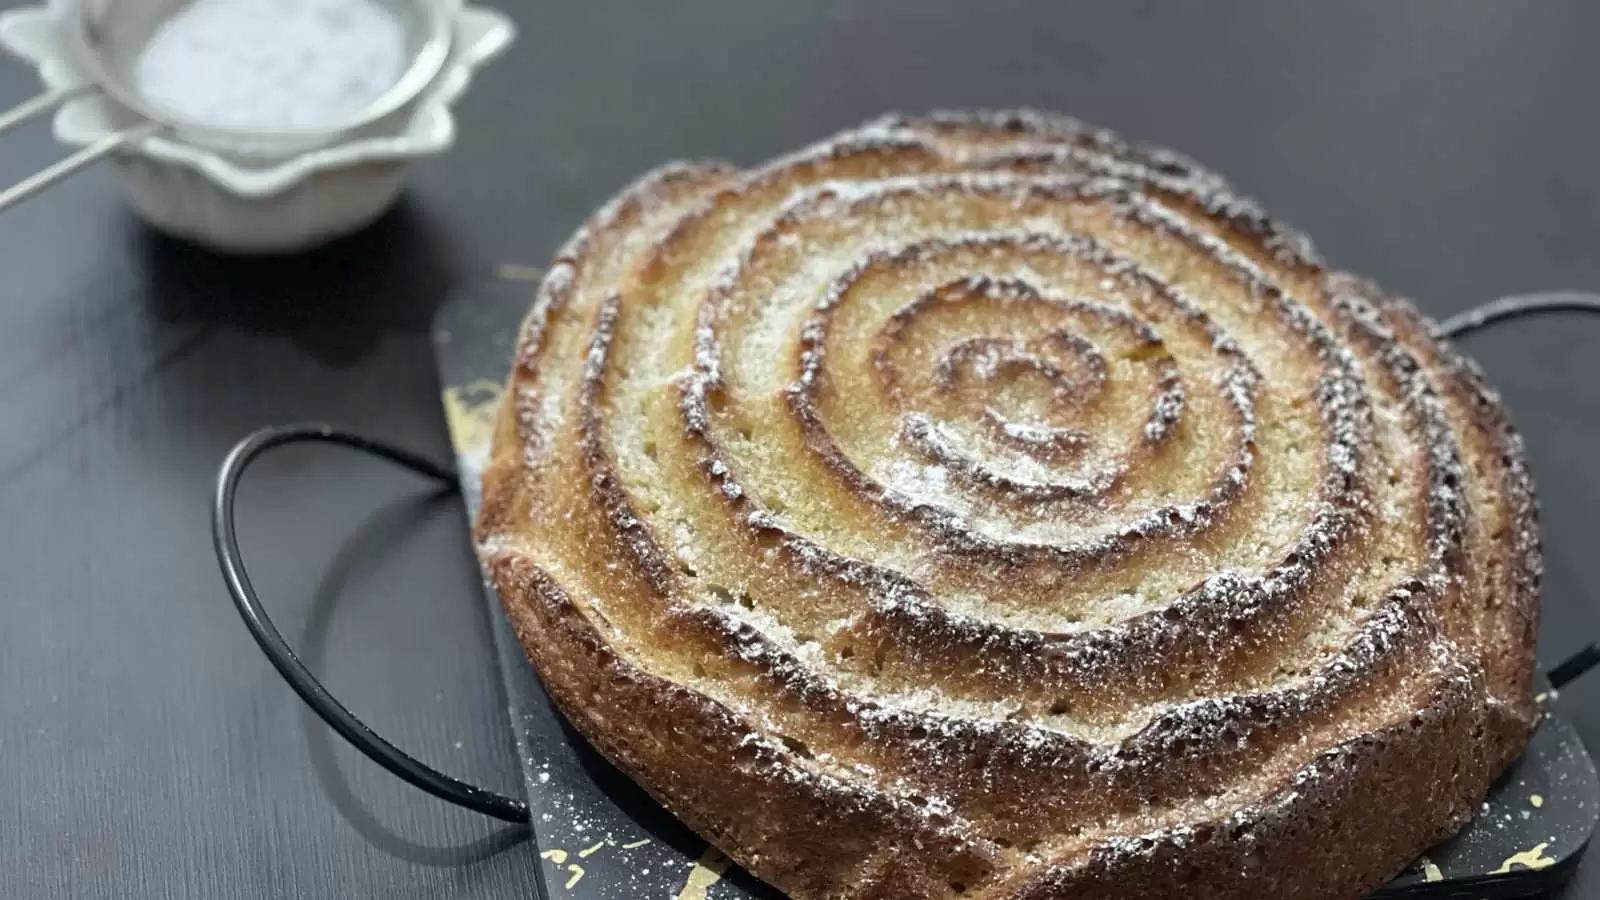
1519 307
352 729
1525 306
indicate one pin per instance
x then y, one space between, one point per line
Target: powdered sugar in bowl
256 125
277 65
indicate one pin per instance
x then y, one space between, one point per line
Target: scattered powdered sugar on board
260 65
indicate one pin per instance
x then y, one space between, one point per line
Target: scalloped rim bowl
246 204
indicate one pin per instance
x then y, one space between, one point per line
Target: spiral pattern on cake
981 506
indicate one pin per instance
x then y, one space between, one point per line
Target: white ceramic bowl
248 203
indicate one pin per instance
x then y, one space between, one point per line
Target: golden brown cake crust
981 506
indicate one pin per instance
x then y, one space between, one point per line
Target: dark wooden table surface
1452 150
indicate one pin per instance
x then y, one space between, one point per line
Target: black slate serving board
603 838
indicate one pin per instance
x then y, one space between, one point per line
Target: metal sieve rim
425 65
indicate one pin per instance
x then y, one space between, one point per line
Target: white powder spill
258 65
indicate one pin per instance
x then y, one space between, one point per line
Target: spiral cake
981 506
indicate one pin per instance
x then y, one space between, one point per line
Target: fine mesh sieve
105 38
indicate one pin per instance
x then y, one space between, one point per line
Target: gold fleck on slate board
603 838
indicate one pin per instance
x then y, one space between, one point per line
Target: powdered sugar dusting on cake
1009 479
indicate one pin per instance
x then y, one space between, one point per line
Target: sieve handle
73 164
45 100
